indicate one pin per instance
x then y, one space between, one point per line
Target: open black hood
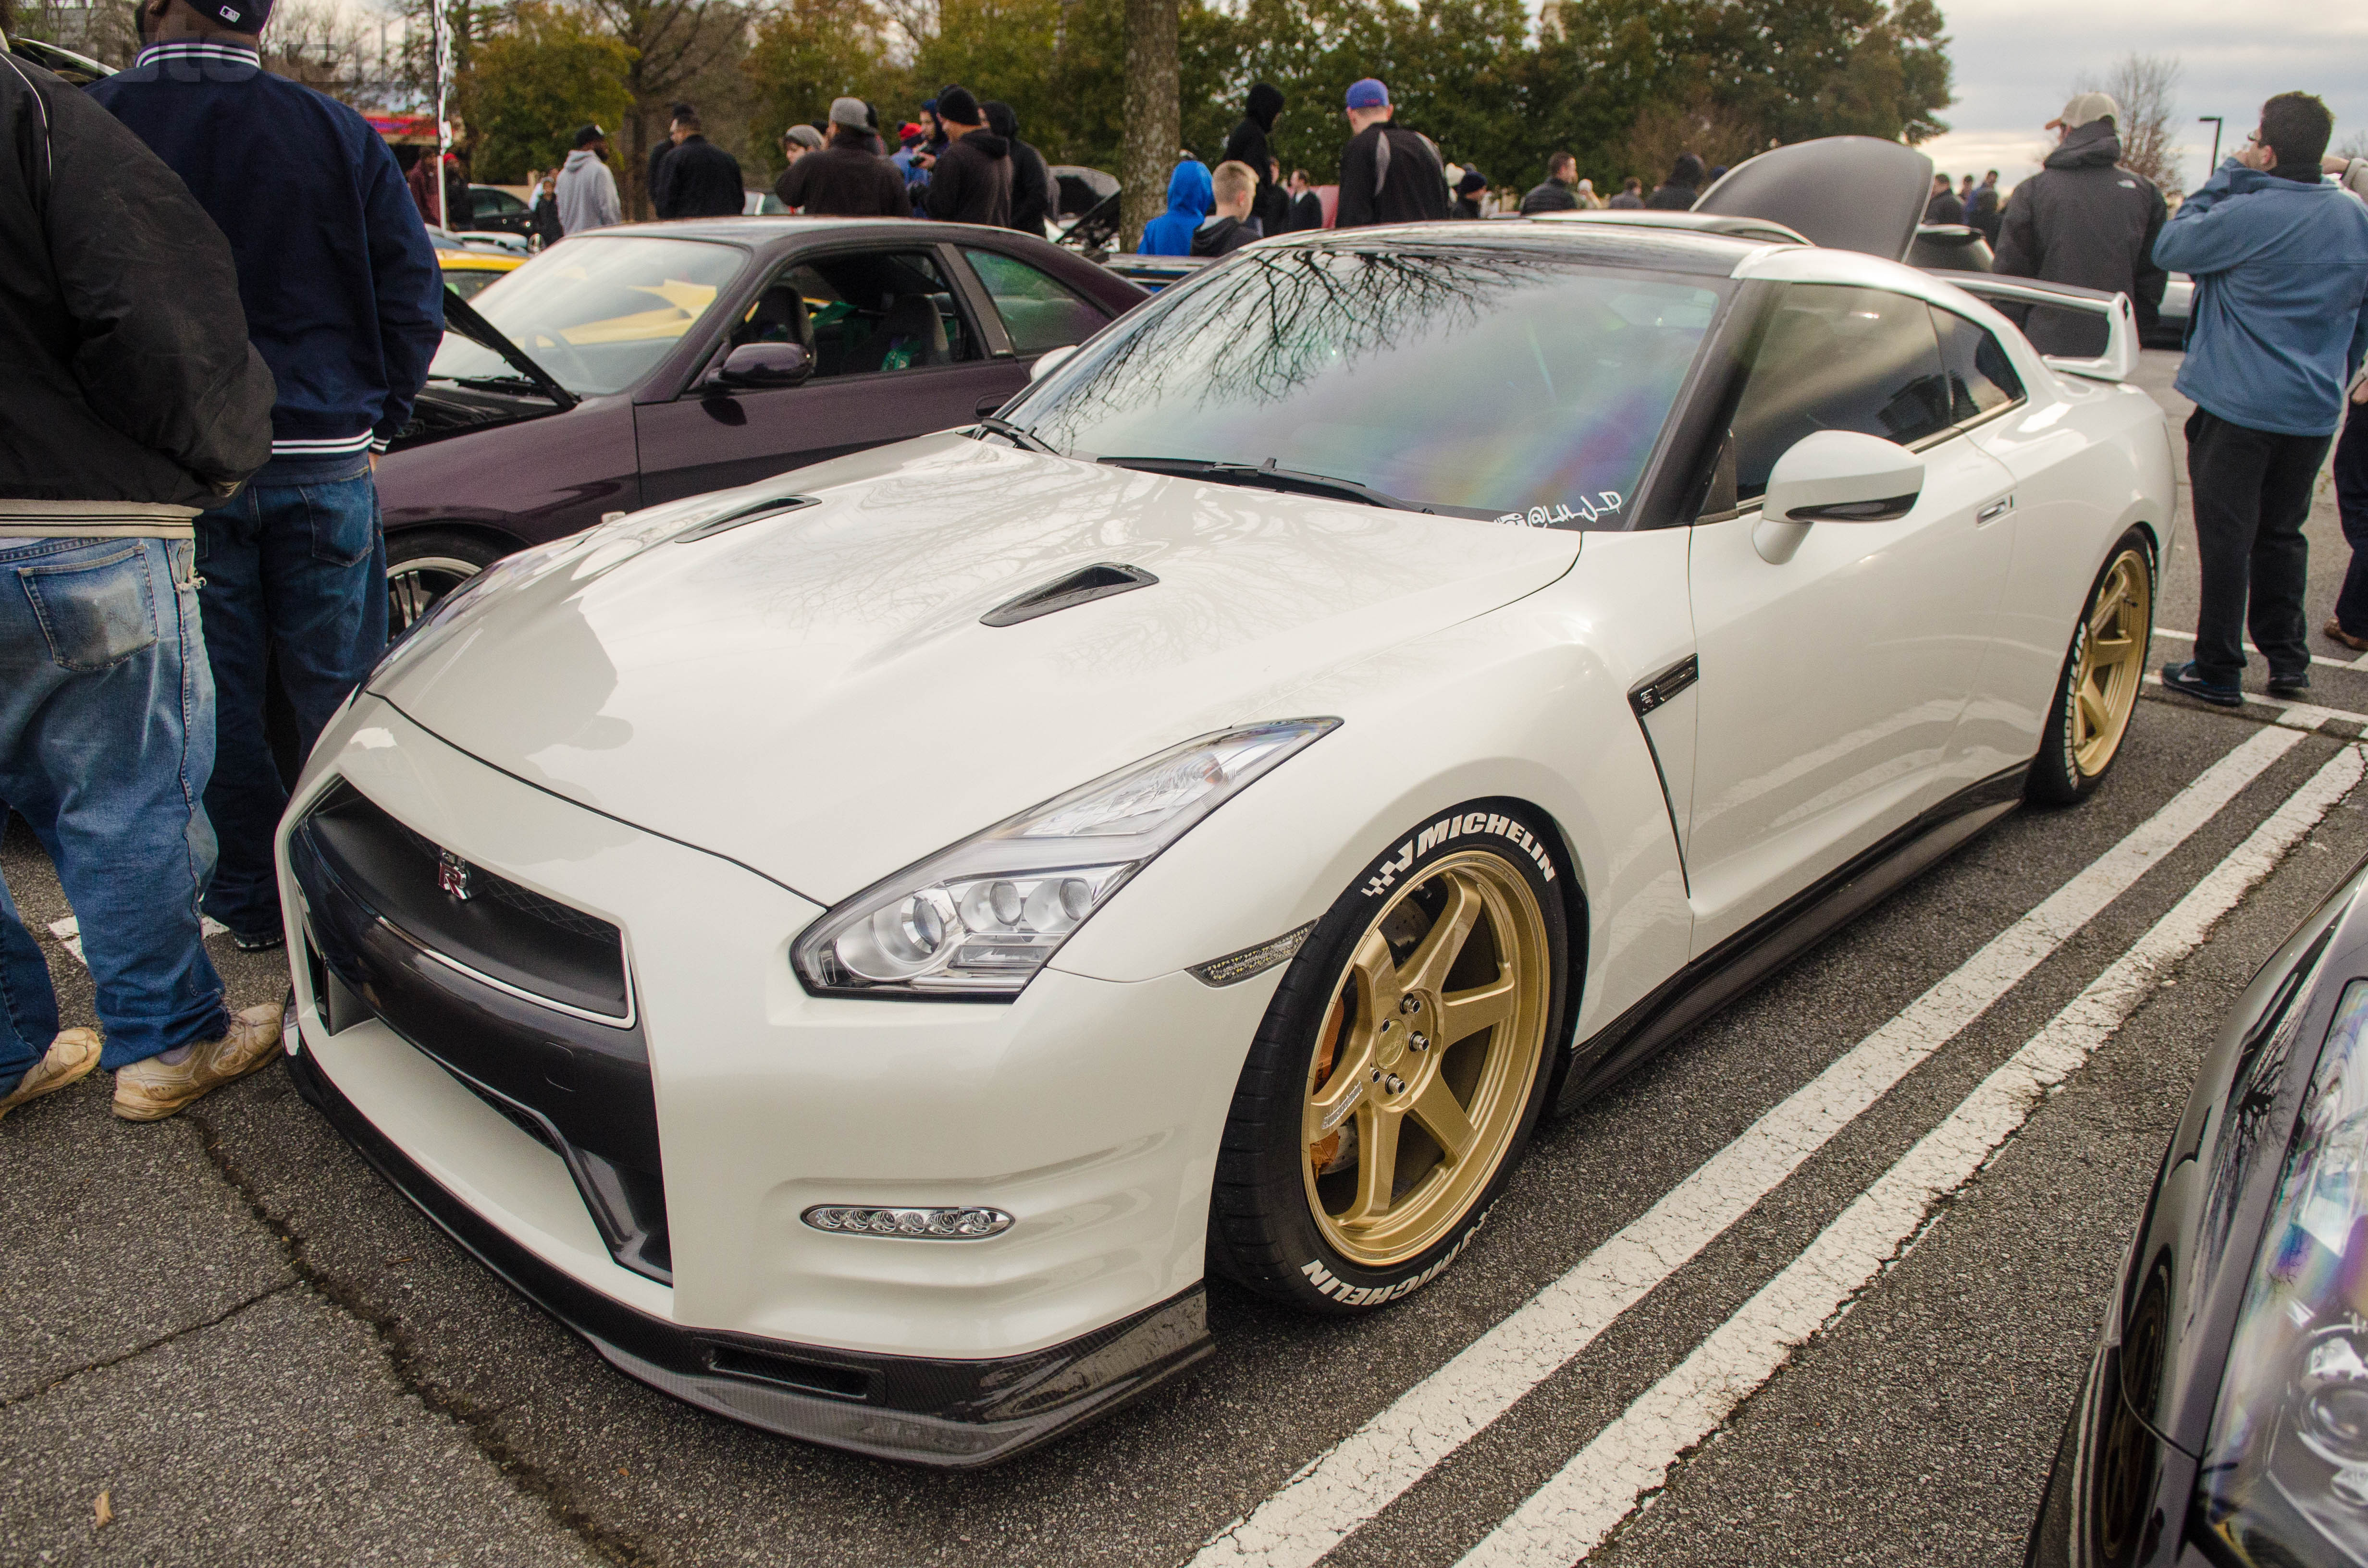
1842 192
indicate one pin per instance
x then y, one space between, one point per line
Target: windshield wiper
1271 477
461 317
1015 435
492 383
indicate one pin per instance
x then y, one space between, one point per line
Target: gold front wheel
2111 664
1425 1060
2103 670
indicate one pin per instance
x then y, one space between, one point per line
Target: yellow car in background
466 272
469 264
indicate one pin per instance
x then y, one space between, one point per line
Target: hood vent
1068 590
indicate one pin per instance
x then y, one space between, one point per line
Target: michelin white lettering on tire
1400 1068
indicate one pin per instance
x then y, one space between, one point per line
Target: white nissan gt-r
860 947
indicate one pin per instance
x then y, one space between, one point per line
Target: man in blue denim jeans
128 396
345 303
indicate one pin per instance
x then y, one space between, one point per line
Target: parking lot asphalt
229 1329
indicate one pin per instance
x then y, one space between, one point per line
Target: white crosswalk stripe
1571 1515
1354 1480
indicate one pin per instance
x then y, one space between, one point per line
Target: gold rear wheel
1429 1050
2113 661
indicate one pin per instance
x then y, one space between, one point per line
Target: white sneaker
154 1089
71 1057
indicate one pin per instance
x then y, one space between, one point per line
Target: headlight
978 920
2286 1471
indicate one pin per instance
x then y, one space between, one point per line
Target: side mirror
756 365
1834 476
1049 361
1841 476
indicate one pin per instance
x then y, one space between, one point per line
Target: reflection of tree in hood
1274 320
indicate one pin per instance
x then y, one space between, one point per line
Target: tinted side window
1980 376
1038 311
1838 358
866 312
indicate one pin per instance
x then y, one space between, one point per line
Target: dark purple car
631 365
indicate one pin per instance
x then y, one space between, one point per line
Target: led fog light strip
925 1224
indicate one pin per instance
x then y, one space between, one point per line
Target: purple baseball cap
1368 93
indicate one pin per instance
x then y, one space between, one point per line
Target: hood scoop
1067 591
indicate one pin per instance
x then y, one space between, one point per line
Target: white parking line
1355 1479
2293 715
1571 1515
2359 663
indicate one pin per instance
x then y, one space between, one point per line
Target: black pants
2351 499
2252 495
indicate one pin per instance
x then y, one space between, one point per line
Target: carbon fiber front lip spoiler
952 1415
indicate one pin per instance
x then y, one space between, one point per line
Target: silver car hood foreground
813 694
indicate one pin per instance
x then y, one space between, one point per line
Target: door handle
1993 511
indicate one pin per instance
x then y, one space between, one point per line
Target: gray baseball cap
849 111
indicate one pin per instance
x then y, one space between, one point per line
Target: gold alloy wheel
2113 663
1431 1047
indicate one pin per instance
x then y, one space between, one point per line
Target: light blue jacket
2281 312
1192 196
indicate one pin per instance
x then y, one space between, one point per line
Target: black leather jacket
125 369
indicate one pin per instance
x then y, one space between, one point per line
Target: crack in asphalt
402 1361
104 1362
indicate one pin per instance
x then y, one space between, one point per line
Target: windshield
1505 384
597 313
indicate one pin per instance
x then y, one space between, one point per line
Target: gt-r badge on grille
452 876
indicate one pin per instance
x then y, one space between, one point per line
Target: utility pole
443 46
2214 121
1154 121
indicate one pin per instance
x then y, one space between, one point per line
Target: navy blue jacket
342 294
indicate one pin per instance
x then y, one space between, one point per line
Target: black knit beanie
957 107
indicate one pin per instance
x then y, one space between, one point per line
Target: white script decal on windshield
1603 504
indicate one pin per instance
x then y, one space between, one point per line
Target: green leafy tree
806 53
532 84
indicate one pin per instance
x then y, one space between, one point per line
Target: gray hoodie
586 193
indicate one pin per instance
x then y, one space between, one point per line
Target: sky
2016 60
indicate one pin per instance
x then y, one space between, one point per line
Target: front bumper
944 1413
1089 1109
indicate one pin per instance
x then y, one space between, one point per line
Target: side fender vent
1068 590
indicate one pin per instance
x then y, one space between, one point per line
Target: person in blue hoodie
1190 197
346 306
2279 327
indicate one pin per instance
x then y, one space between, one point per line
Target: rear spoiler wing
2120 356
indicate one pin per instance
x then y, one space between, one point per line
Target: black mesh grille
485 884
501 929
378 929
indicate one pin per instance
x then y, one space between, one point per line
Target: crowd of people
963 161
